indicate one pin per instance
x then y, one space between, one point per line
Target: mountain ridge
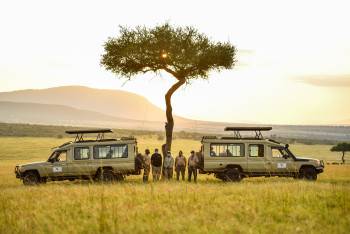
106 101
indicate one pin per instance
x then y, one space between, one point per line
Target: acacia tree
182 52
341 147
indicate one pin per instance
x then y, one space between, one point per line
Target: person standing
168 166
156 162
192 166
139 163
180 166
146 165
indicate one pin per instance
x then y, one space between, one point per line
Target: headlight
322 163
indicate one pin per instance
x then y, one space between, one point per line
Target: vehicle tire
31 178
43 180
119 177
308 173
233 175
106 176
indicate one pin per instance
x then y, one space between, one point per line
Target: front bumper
320 168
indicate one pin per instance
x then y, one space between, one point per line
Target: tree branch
171 72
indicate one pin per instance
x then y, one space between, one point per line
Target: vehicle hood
33 164
305 159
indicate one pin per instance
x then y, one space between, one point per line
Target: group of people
165 167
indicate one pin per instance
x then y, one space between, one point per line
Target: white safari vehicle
98 159
236 157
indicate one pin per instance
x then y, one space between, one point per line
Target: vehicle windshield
52 156
289 152
284 152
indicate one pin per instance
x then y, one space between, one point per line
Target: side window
110 151
81 153
256 150
276 153
227 150
62 156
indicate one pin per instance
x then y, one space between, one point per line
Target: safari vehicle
99 159
234 158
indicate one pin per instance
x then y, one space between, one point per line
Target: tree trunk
343 158
169 125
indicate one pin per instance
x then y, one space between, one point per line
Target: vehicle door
256 159
280 162
58 166
80 163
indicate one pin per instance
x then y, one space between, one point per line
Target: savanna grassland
255 205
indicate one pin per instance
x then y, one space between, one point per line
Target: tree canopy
183 52
341 147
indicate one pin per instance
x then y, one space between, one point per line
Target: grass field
258 205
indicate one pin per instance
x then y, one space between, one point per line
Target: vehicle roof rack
80 133
257 130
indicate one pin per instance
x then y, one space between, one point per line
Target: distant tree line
34 130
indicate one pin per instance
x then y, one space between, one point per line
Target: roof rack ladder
79 137
100 136
258 134
237 134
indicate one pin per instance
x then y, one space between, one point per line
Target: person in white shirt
146 165
168 166
192 166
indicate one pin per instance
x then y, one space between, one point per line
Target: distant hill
88 107
34 113
115 103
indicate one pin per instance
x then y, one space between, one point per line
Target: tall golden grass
256 205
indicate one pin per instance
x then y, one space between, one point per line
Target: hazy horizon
293 57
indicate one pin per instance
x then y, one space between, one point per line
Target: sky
293 60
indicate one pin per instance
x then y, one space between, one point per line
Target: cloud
326 80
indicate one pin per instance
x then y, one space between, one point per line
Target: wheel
31 178
119 177
233 175
105 176
43 180
308 173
